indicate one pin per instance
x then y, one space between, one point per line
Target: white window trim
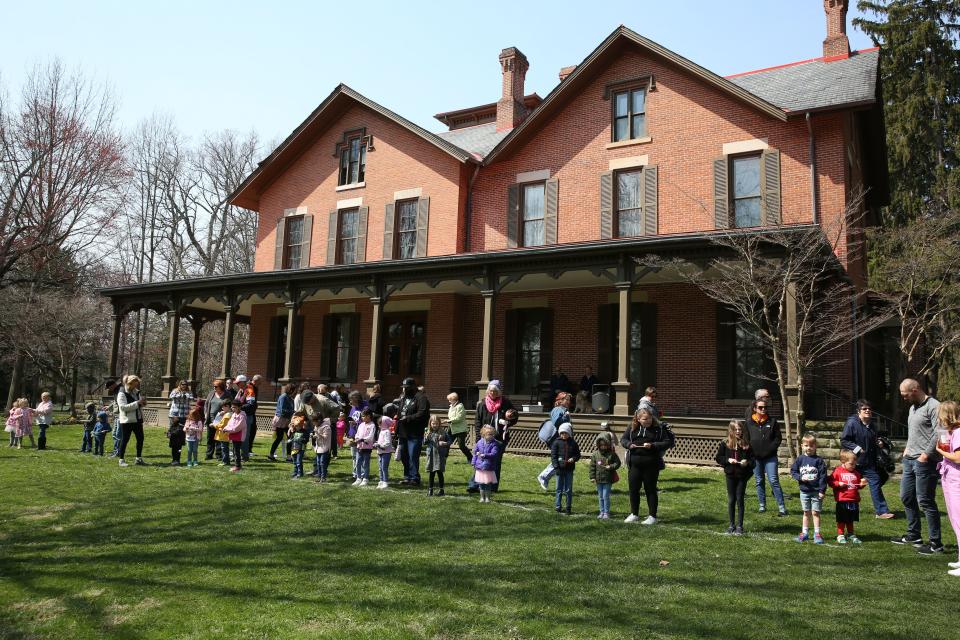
745 146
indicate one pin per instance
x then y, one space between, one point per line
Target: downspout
813 171
468 214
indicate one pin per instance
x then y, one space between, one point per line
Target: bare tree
786 281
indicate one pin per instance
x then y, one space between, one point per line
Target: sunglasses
761 407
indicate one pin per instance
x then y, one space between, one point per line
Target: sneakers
817 538
381 485
631 518
954 572
440 492
272 458
604 516
123 463
885 516
356 483
954 565
649 520
854 539
782 514
841 539
930 549
543 484
803 537
905 540
234 469
738 531
175 463
762 508
140 462
364 482
730 530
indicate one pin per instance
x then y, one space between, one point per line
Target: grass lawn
89 550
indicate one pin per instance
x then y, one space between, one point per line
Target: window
293 242
629 114
528 354
277 348
749 362
349 234
406 229
353 160
743 364
629 211
531 221
745 191
528 349
341 342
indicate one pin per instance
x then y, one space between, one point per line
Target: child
297 441
13 423
236 428
100 431
810 471
192 429
564 453
384 446
736 458
365 437
346 431
847 482
44 413
457 421
949 447
322 437
220 436
86 444
603 471
437 441
485 454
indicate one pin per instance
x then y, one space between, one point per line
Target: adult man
414 413
918 485
587 381
249 407
859 436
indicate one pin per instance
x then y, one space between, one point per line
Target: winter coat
414 415
764 438
385 439
600 474
322 436
862 440
485 455
484 417
128 402
724 453
656 435
237 426
366 435
811 473
438 447
456 416
562 450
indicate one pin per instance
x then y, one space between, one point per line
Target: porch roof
472 272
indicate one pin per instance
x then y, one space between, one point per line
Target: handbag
547 431
614 478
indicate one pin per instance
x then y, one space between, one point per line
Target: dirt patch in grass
40 611
117 613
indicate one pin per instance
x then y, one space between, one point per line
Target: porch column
197 325
489 324
170 379
622 386
373 376
792 389
117 318
230 318
292 308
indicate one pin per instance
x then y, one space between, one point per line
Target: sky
264 66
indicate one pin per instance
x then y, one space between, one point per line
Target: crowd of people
329 422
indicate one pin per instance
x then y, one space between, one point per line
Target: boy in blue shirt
810 471
100 431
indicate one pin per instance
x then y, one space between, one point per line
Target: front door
404 350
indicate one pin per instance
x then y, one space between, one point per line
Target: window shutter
721 194
332 238
606 205
271 367
546 345
770 166
423 218
296 361
389 214
509 375
354 320
551 194
513 215
650 200
305 244
362 214
326 339
278 256
606 340
725 333
648 346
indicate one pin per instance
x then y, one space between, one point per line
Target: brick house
503 247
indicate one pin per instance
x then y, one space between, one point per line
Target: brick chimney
510 109
836 45
566 71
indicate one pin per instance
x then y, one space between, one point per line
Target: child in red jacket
847 482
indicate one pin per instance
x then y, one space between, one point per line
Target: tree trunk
73 394
785 403
16 380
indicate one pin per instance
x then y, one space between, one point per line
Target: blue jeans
363 463
768 466
98 439
412 447
193 447
603 494
298 463
355 462
876 490
918 490
384 467
320 464
546 474
117 437
564 487
87 443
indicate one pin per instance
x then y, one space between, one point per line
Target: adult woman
375 401
281 418
490 412
180 401
218 399
130 405
356 404
559 415
764 435
859 436
645 440
44 414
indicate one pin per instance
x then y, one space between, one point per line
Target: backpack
547 432
885 463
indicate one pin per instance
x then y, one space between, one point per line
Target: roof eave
843 106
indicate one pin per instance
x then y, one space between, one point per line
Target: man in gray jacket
918 486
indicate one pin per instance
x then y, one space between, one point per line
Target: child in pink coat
949 447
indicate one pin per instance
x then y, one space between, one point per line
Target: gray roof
479 140
816 84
